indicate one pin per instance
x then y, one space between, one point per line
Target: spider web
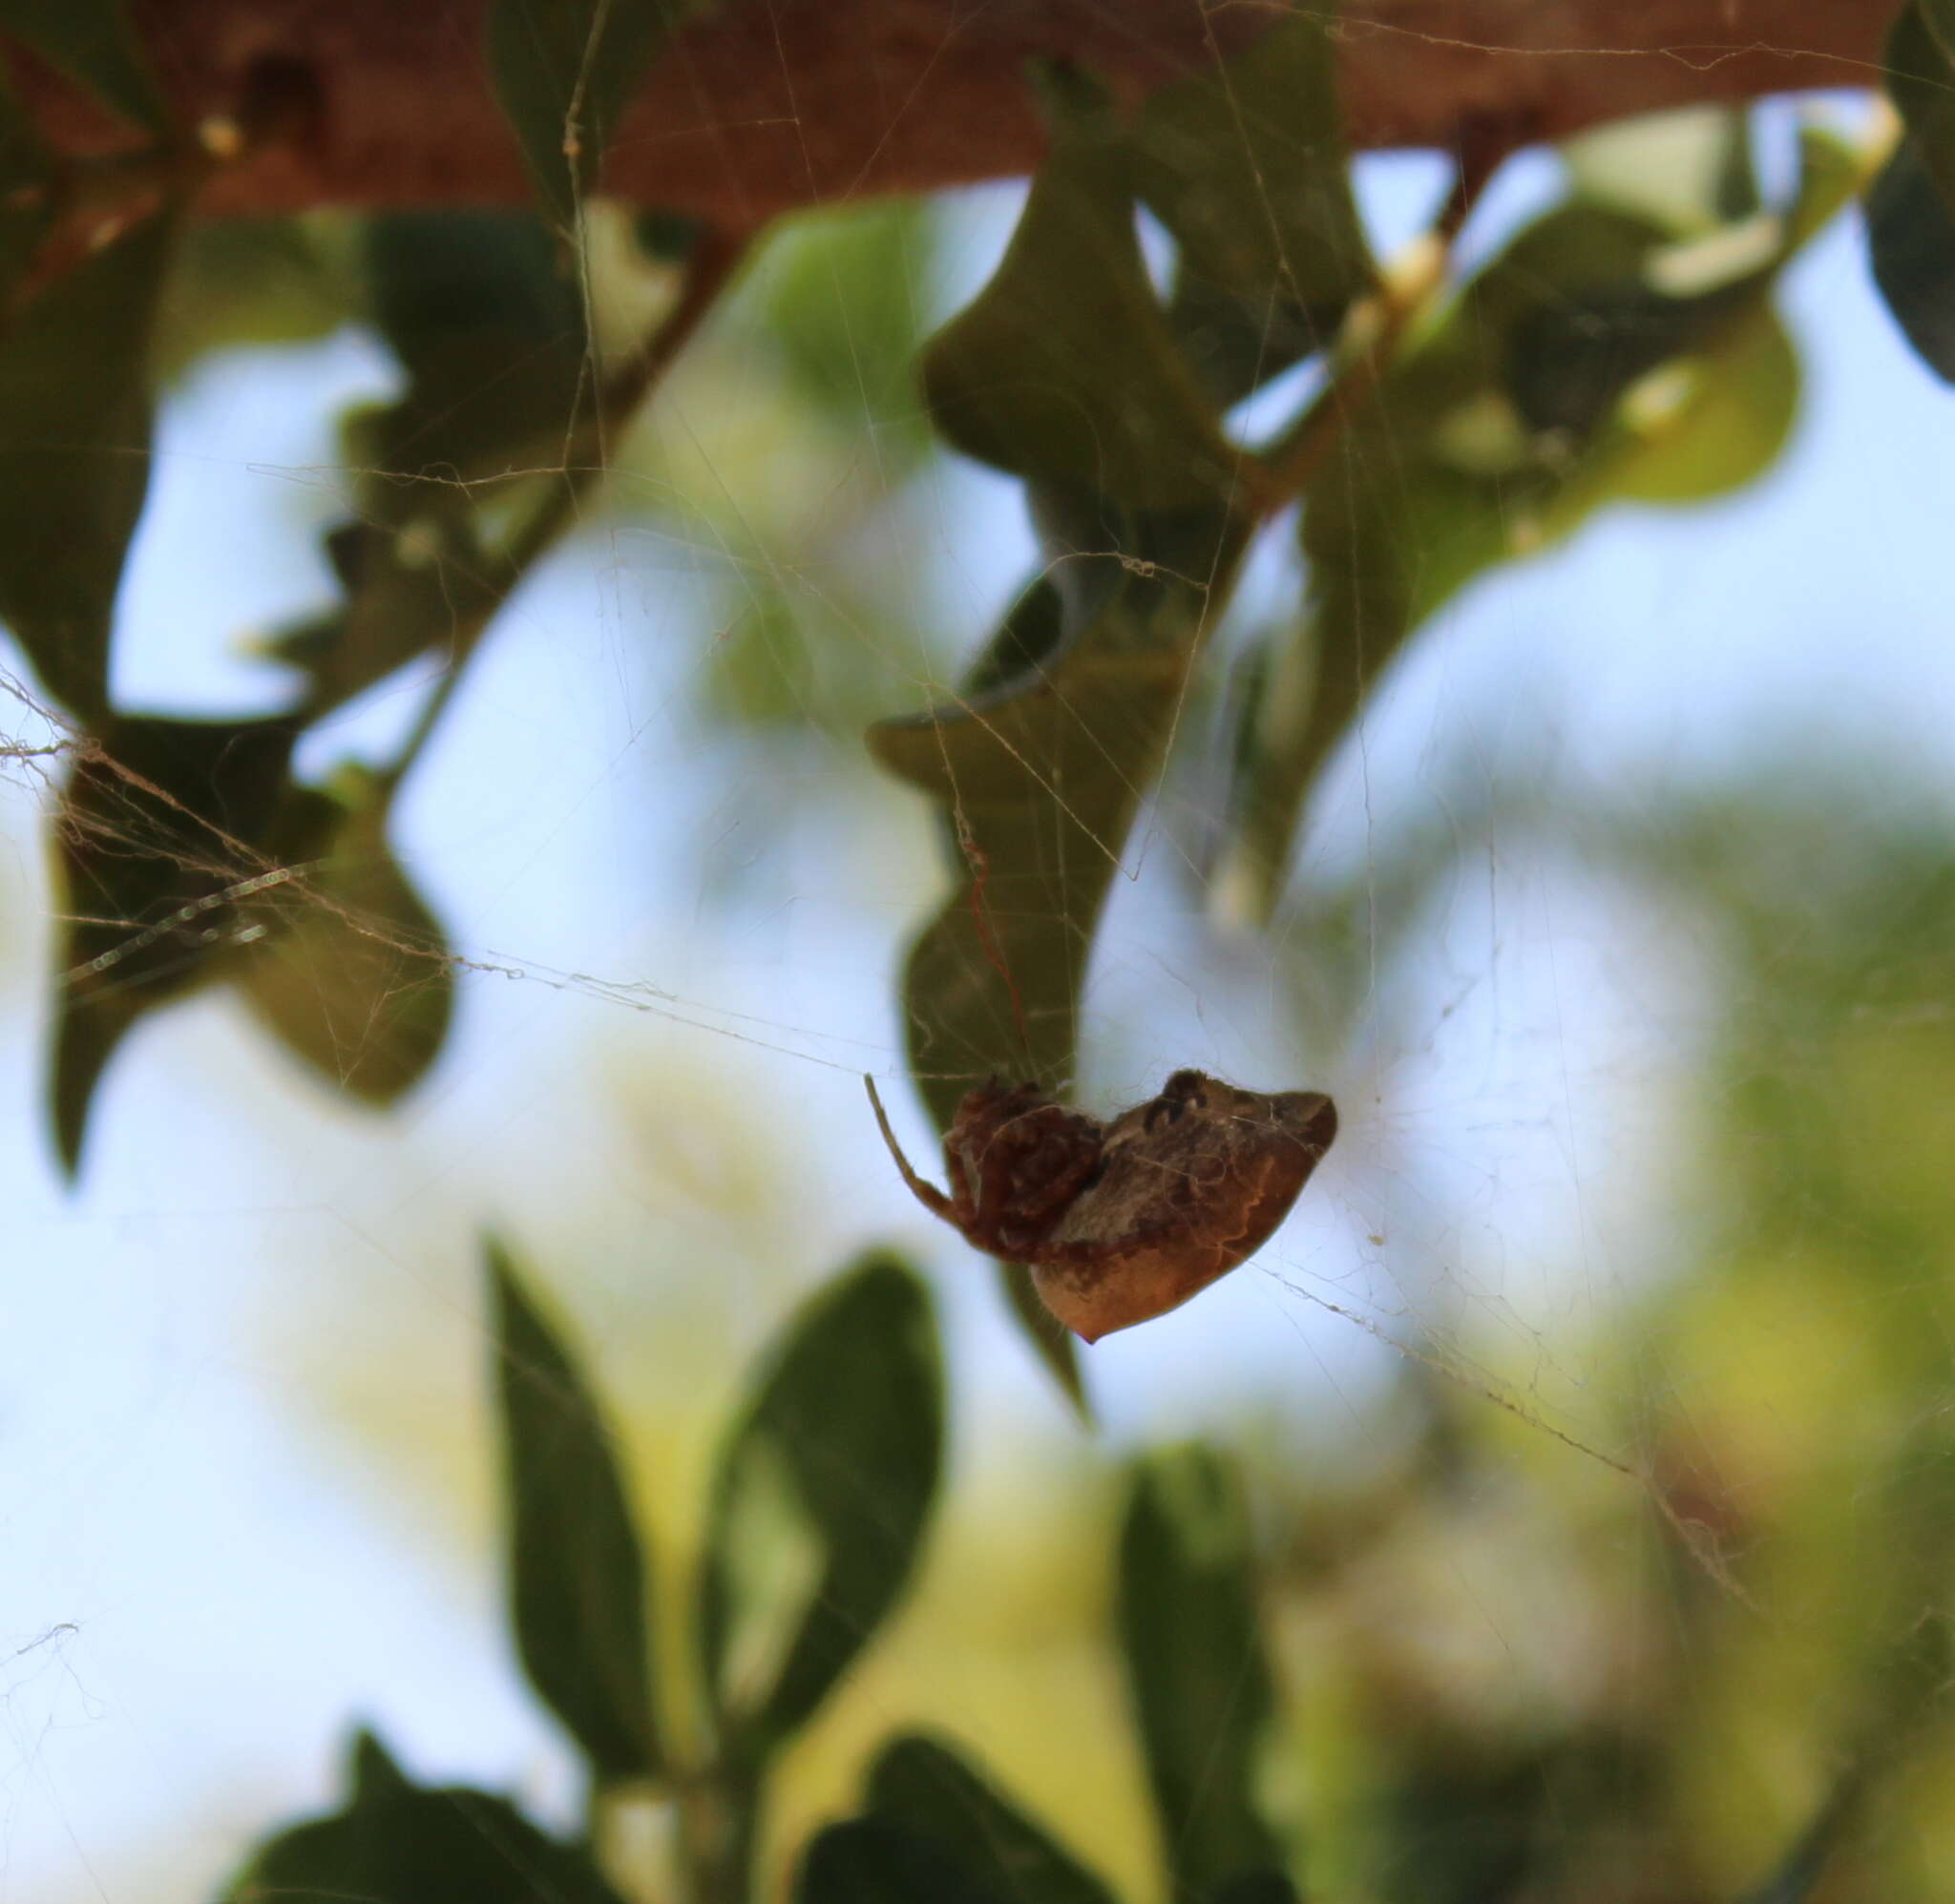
1634 828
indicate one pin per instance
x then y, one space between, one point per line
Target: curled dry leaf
1123 1220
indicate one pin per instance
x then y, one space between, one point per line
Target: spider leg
926 1193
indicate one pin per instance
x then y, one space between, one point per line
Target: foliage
1620 348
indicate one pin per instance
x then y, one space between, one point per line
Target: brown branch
764 105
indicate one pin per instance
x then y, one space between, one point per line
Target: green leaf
1719 423
1196 1668
490 333
75 454
1910 208
256 281
578 1585
1246 167
867 1861
1906 1694
165 841
819 1503
91 42
1688 170
396 1841
354 976
930 1793
1040 766
1063 368
487 322
1039 781
1911 251
1258 1887
564 75
1594 361
1919 67
844 293
28 184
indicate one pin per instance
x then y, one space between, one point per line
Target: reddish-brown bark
764 105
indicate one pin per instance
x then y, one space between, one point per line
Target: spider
1123 1220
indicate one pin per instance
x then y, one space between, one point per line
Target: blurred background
1595 1397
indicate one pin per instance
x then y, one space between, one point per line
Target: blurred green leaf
1196 1668
167 831
1246 167
819 1502
666 237
1719 423
74 449
1909 1690
928 1792
354 974
564 75
1040 766
1593 361
487 322
844 293
1688 170
1063 368
867 1861
237 281
580 1594
1919 71
1910 209
1258 1887
1040 780
91 42
489 329
400 1842
28 177
1911 251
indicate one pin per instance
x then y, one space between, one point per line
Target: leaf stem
1376 327
716 255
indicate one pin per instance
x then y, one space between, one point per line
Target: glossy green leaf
564 75
1245 166
166 841
931 1795
819 1503
1063 368
1196 1667
353 974
867 1861
579 1591
74 446
396 1841
91 42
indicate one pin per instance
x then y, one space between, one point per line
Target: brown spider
1123 1220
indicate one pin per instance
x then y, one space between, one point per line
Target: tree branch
762 106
